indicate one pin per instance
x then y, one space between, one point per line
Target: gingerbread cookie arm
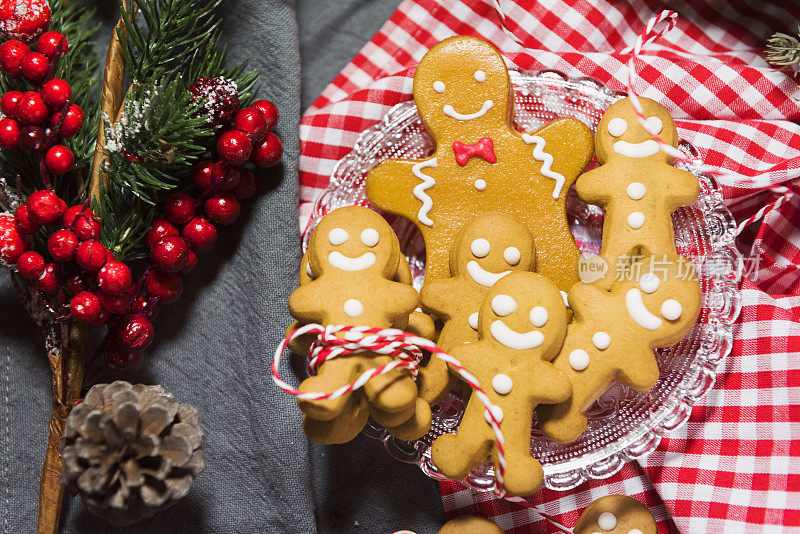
304 305
642 375
558 389
684 187
592 186
439 296
395 187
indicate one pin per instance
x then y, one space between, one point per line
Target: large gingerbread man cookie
616 514
521 328
636 184
481 163
613 334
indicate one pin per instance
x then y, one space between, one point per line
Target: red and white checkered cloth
735 467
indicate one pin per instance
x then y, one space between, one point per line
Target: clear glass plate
623 424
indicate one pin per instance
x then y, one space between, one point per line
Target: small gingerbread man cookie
613 334
636 184
521 328
616 514
482 163
470 524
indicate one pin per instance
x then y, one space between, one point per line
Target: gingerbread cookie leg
392 392
414 427
457 454
331 375
341 428
524 473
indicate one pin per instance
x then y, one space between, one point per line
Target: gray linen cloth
213 348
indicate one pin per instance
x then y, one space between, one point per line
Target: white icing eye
503 305
607 521
473 320
438 86
671 309
617 126
636 220
480 248
502 384
649 283
370 237
636 190
539 316
480 76
601 340
579 359
498 414
337 236
511 255
353 308
654 124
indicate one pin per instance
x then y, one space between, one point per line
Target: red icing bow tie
484 148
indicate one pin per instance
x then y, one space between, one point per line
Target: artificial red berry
247 185
52 44
179 208
270 112
31 109
191 262
11 54
234 146
46 207
59 159
252 122
82 221
24 220
143 305
135 332
169 254
30 264
219 97
85 307
12 243
73 120
24 19
72 213
102 319
222 208
62 244
48 280
200 234
8 104
35 67
159 229
114 277
201 174
120 358
166 287
90 256
9 134
31 138
225 175
56 93
267 153
113 303
76 283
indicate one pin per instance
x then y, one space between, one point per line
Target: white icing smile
639 313
482 276
346 263
515 340
645 149
450 111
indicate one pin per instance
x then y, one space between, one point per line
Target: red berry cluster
36 120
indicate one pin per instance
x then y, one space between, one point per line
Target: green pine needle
783 50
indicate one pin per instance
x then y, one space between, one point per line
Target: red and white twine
407 351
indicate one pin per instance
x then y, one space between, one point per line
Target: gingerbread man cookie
636 184
470 524
521 328
482 164
616 514
613 334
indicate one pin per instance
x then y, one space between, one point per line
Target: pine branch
783 50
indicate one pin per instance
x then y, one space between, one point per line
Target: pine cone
131 451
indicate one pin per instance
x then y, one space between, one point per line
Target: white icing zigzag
547 160
419 190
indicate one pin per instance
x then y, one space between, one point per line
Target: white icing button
480 248
370 237
480 76
565 297
655 125
511 255
498 414
601 340
438 86
502 384
636 190
337 236
649 283
503 305
473 320
635 531
308 270
539 316
617 126
480 184
671 309
636 220
607 521
579 359
353 308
